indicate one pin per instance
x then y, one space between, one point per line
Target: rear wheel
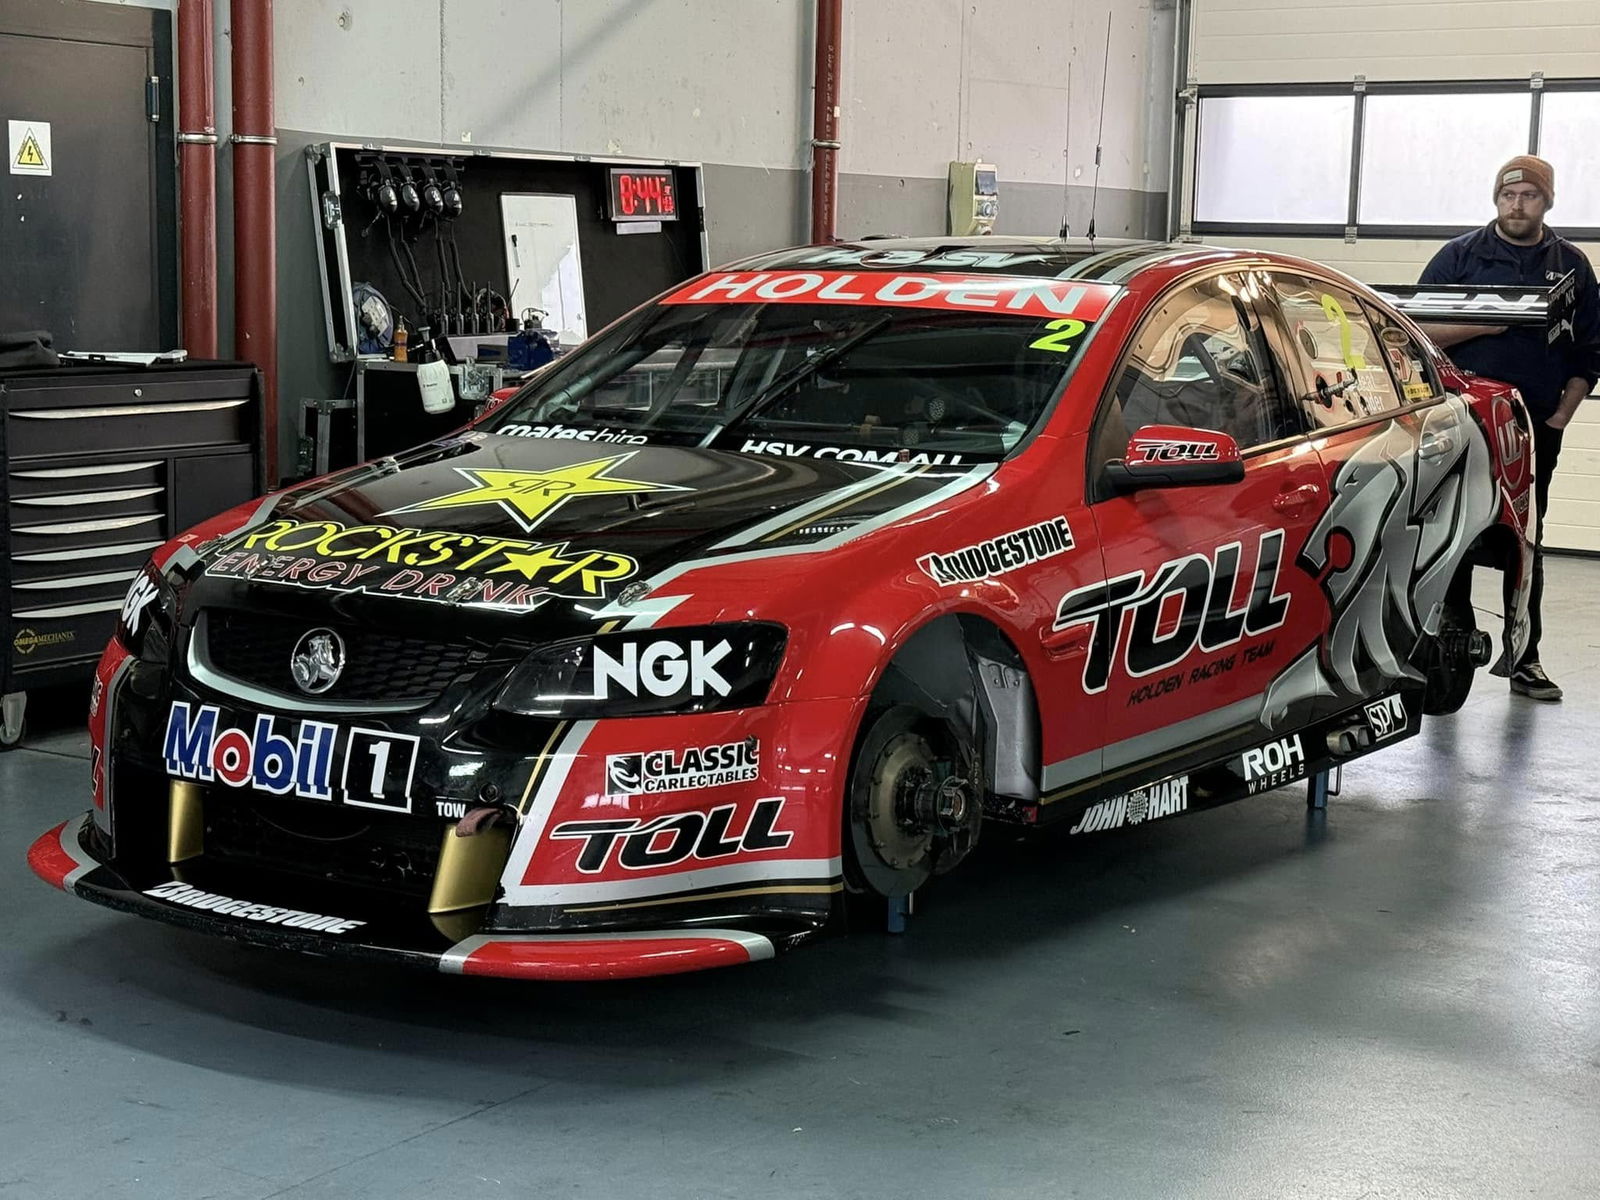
1453 658
914 805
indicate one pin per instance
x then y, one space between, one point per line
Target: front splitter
62 859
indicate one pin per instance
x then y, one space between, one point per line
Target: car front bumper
341 923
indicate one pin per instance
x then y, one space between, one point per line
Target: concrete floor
1403 1001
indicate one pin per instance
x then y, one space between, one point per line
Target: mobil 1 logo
298 759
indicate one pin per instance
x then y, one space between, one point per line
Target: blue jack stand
1322 785
900 909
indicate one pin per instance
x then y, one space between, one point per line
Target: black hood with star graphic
498 528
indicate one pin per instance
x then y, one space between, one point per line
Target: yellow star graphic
531 564
531 496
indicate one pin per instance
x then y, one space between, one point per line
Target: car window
1341 359
1198 363
1407 362
882 381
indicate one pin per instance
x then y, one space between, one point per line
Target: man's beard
1518 228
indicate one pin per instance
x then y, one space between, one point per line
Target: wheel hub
914 800
902 773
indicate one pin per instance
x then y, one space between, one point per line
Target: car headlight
699 668
147 613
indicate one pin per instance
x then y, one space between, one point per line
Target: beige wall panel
1283 41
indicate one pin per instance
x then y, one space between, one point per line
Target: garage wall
1270 41
726 83
1016 83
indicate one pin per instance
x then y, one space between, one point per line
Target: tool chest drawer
99 466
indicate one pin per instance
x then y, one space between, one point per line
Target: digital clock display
643 194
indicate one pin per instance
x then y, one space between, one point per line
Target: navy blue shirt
1519 356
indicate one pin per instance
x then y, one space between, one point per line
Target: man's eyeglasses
1510 197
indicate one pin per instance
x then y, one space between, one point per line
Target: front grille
323 841
379 667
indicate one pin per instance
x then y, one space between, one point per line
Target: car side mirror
1175 456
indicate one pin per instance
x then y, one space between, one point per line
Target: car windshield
848 380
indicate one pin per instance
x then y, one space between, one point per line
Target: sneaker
1530 680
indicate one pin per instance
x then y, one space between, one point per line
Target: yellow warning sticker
1418 391
29 150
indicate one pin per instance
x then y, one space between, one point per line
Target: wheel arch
992 700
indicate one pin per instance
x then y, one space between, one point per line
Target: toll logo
688 769
667 841
1203 588
1162 450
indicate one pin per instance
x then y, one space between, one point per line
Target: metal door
83 251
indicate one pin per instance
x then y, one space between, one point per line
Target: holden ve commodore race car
777 591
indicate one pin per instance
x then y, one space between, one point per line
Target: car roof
1103 260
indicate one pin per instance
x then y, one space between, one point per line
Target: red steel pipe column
197 178
825 123
255 285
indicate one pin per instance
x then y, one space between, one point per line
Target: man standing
1516 249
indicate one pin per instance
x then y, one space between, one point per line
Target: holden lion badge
317 660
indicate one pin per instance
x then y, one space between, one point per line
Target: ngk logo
669 840
662 669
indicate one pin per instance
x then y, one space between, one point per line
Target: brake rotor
904 767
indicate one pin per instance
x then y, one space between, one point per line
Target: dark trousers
1546 450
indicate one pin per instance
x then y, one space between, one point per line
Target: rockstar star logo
528 497
529 565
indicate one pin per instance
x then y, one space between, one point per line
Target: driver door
1204 603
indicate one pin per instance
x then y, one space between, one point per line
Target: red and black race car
781 588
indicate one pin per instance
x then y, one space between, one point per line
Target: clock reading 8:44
643 194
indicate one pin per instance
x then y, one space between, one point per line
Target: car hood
492 528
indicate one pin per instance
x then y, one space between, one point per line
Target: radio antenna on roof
1099 137
1066 161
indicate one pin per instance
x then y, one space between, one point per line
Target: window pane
1194 365
1570 139
1431 159
1275 159
1407 362
1340 356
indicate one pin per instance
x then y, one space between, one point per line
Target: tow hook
481 818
